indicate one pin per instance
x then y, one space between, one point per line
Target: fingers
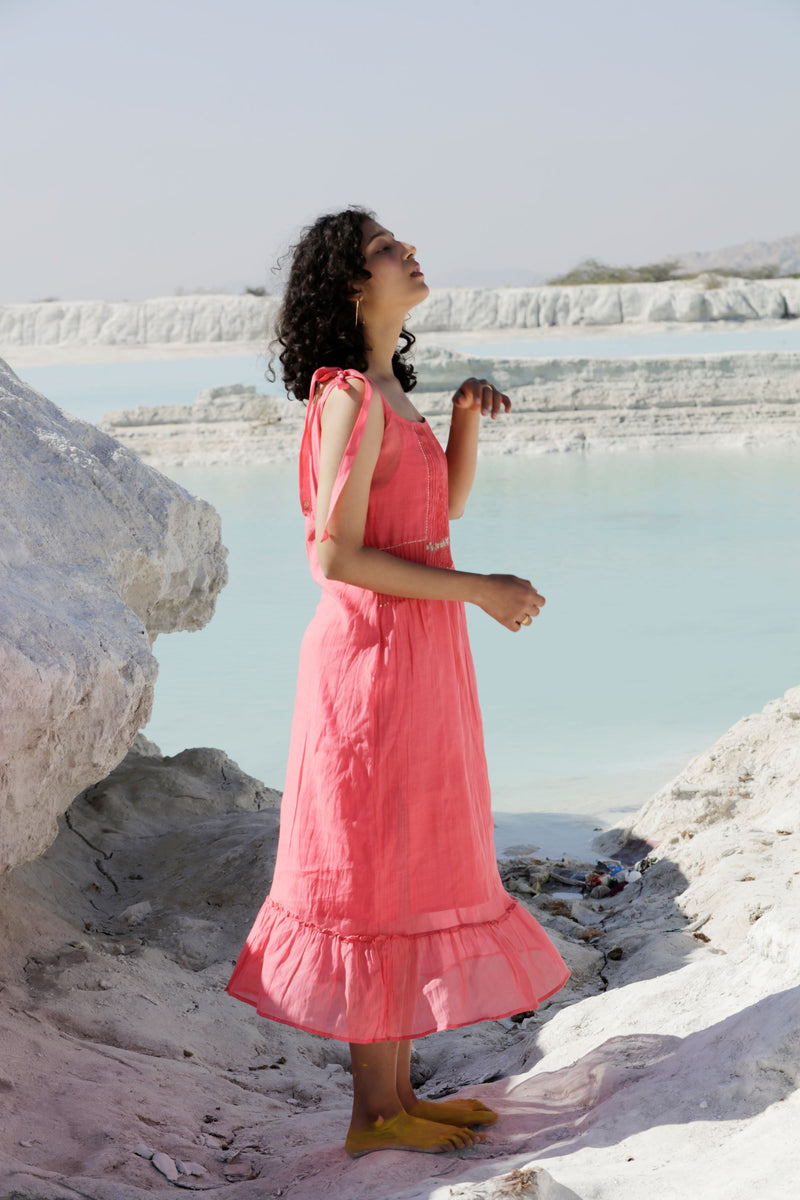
532 608
512 601
480 393
493 401
526 619
470 394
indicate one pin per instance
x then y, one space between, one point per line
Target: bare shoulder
338 420
353 387
343 404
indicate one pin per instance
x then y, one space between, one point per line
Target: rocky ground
669 1061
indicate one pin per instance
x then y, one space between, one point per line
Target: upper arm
338 418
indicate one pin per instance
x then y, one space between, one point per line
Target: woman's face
396 279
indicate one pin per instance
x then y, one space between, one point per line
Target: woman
386 918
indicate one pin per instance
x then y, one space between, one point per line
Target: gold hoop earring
358 309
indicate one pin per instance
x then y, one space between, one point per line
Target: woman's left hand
481 395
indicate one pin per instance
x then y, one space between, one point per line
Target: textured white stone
99 554
559 404
791 295
136 913
707 298
733 807
163 1163
235 402
220 319
194 1168
184 319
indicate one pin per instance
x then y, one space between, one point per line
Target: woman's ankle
366 1114
407 1098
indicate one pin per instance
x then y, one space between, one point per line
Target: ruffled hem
393 987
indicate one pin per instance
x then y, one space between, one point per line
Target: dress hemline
400 1037
286 956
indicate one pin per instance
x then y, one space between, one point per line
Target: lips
415 272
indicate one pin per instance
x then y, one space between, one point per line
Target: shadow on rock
731 1071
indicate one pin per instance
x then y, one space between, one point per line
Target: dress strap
331 377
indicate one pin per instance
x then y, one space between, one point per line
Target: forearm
379 571
510 600
462 453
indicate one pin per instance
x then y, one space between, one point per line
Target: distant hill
784 253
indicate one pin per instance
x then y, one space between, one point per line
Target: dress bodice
407 514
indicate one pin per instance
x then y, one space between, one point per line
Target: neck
381 336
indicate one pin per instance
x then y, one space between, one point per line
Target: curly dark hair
315 324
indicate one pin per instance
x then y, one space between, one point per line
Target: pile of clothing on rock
606 878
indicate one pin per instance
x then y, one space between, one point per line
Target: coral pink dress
386 917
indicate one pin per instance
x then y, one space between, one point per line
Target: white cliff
559 404
608 304
99 553
213 320
163 321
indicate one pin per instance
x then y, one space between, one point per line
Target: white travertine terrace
214 319
558 404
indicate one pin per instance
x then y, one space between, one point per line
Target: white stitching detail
394 545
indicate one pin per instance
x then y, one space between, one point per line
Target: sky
162 145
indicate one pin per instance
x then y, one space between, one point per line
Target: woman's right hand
511 601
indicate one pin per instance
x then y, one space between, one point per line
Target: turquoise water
672 581
91 391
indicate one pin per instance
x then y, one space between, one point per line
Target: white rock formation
215 320
558 404
646 381
168 320
669 1065
235 403
734 805
98 555
607 304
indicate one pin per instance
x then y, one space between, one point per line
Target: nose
411 251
